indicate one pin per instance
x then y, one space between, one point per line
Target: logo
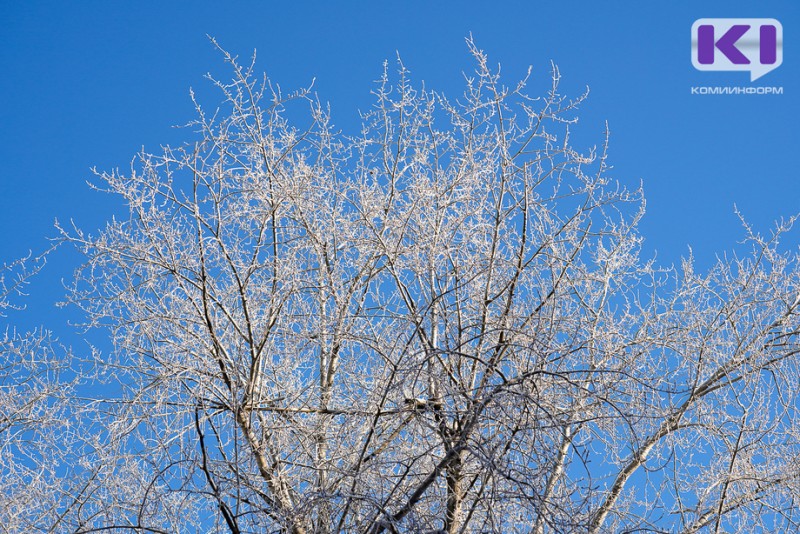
754 45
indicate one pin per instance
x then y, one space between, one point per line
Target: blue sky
88 84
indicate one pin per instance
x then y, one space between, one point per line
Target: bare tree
441 324
39 459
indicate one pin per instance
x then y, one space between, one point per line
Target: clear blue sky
89 83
